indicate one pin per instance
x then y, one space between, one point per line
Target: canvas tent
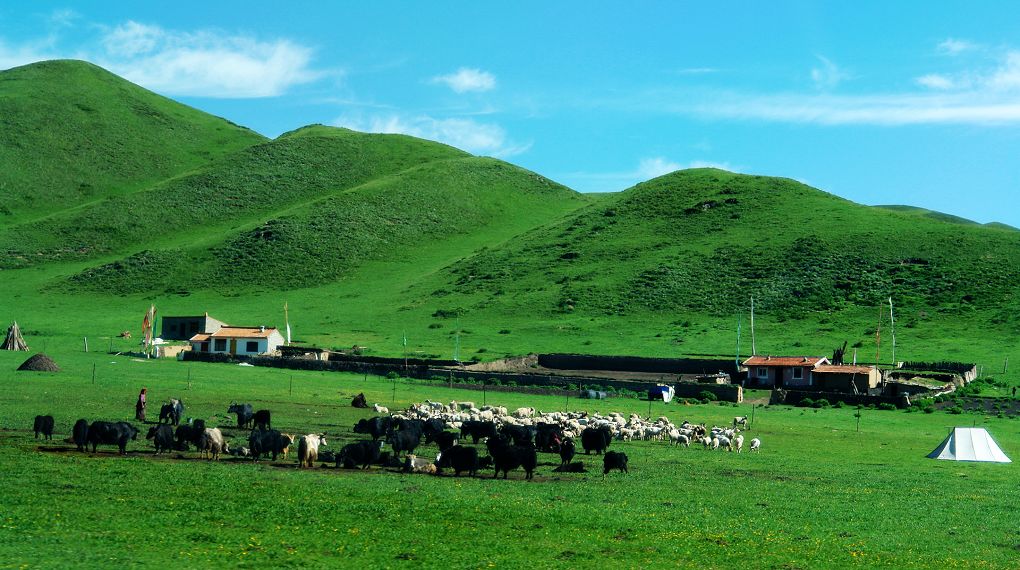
969 444
14 341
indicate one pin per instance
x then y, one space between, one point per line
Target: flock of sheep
623 428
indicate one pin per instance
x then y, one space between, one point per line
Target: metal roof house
782 371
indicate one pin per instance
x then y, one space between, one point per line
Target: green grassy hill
370 236
706 240
238 189
325 239
72 133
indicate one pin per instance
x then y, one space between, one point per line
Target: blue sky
879 102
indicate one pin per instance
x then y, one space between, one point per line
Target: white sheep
756 445
738 442
723 442
524 412
380 409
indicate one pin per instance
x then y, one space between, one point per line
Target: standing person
140 406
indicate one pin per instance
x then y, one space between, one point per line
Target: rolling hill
72 133
706 240
120 198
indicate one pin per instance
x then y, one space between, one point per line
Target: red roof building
782 371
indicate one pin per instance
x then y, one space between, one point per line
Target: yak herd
512 440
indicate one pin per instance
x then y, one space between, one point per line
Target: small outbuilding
849 378
183 328
969 444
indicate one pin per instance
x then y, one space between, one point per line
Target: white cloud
477 138
936 81
205 63
829 75
984 95
63 18
1007 76
14 56
647 169
952 46
697 70
132 39
468 79
886 110
653 167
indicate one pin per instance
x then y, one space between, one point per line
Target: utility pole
737 361
892 330
754 349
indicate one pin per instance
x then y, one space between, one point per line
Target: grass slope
820 494
324 240
72 133
705 240
241 188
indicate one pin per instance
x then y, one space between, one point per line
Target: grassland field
819 495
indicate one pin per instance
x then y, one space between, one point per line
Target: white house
241 341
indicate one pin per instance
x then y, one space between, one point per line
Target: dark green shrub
392 375
821 403
706 396
929 410
806 403
887 406
955 410
840 404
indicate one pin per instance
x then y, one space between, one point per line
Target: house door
233 346
779 378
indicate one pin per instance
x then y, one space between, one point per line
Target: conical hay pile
40 363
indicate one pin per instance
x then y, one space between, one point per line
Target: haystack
14 341
40 363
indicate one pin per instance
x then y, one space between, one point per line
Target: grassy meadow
820 494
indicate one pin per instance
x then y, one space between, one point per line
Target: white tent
969 444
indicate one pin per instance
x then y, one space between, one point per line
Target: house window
220 344
763 372
798 373
253 346
193 326
204 347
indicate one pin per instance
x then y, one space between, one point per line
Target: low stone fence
553 383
